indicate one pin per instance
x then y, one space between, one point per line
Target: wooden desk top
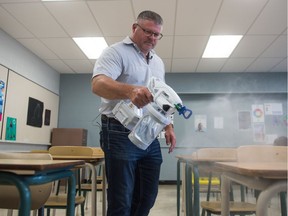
88 158
36 165
270 170
192 158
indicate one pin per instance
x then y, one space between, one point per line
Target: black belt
109 119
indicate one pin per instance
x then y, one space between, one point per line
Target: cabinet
69 137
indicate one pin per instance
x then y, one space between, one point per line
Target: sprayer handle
187 113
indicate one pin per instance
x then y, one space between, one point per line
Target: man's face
145 35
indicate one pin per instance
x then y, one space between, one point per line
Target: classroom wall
213 95
16 57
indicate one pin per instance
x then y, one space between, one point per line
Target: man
122 73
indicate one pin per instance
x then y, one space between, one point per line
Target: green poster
11 128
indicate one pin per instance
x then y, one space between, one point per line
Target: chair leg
283 203
203 212
9 212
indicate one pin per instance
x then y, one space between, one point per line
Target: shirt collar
128 41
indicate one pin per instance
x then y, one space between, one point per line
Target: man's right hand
141 96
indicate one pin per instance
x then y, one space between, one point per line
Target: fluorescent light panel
91 46
221 46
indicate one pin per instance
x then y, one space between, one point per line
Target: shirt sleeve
109 64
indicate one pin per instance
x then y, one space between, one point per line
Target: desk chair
9 196
86 184
59 201
79 151
213 155
265 153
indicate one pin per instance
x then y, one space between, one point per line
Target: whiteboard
18 92
3 78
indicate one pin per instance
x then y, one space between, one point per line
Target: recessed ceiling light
91 46
221 46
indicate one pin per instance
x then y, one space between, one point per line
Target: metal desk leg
196 191
188 174
283 203
71 196
267 194
178 188
225 185
24 191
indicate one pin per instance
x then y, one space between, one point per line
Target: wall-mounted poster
244 120
257 113
11 125
47 117
200 123
35 112
273 109
2 98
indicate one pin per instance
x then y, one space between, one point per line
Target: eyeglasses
148 33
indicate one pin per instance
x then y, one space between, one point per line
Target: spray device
147 123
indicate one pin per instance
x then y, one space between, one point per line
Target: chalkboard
230 120
21 99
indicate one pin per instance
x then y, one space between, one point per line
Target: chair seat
235 207
58 201
88 187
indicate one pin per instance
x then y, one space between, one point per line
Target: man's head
147 30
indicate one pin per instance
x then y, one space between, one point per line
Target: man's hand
170 137
140 96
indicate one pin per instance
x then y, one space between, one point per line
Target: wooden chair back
262 153
9 195
76 150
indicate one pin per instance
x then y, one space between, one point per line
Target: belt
109 119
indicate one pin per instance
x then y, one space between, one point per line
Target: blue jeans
132 173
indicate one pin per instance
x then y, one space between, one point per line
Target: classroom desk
268 177
192 164
91 161
23 172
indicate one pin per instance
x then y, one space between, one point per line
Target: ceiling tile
59 65
210 65
80 66
281 67
10 25
76 26
164 47
64 48
36 18
272 20
120 17
237 64
263 64
38 48
189 46
278 48
47 28
194 17
235 17
184 65
252 46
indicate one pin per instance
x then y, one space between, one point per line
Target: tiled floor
166 204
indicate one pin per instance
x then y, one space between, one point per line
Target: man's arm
110 89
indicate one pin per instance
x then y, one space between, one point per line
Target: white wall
16 57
